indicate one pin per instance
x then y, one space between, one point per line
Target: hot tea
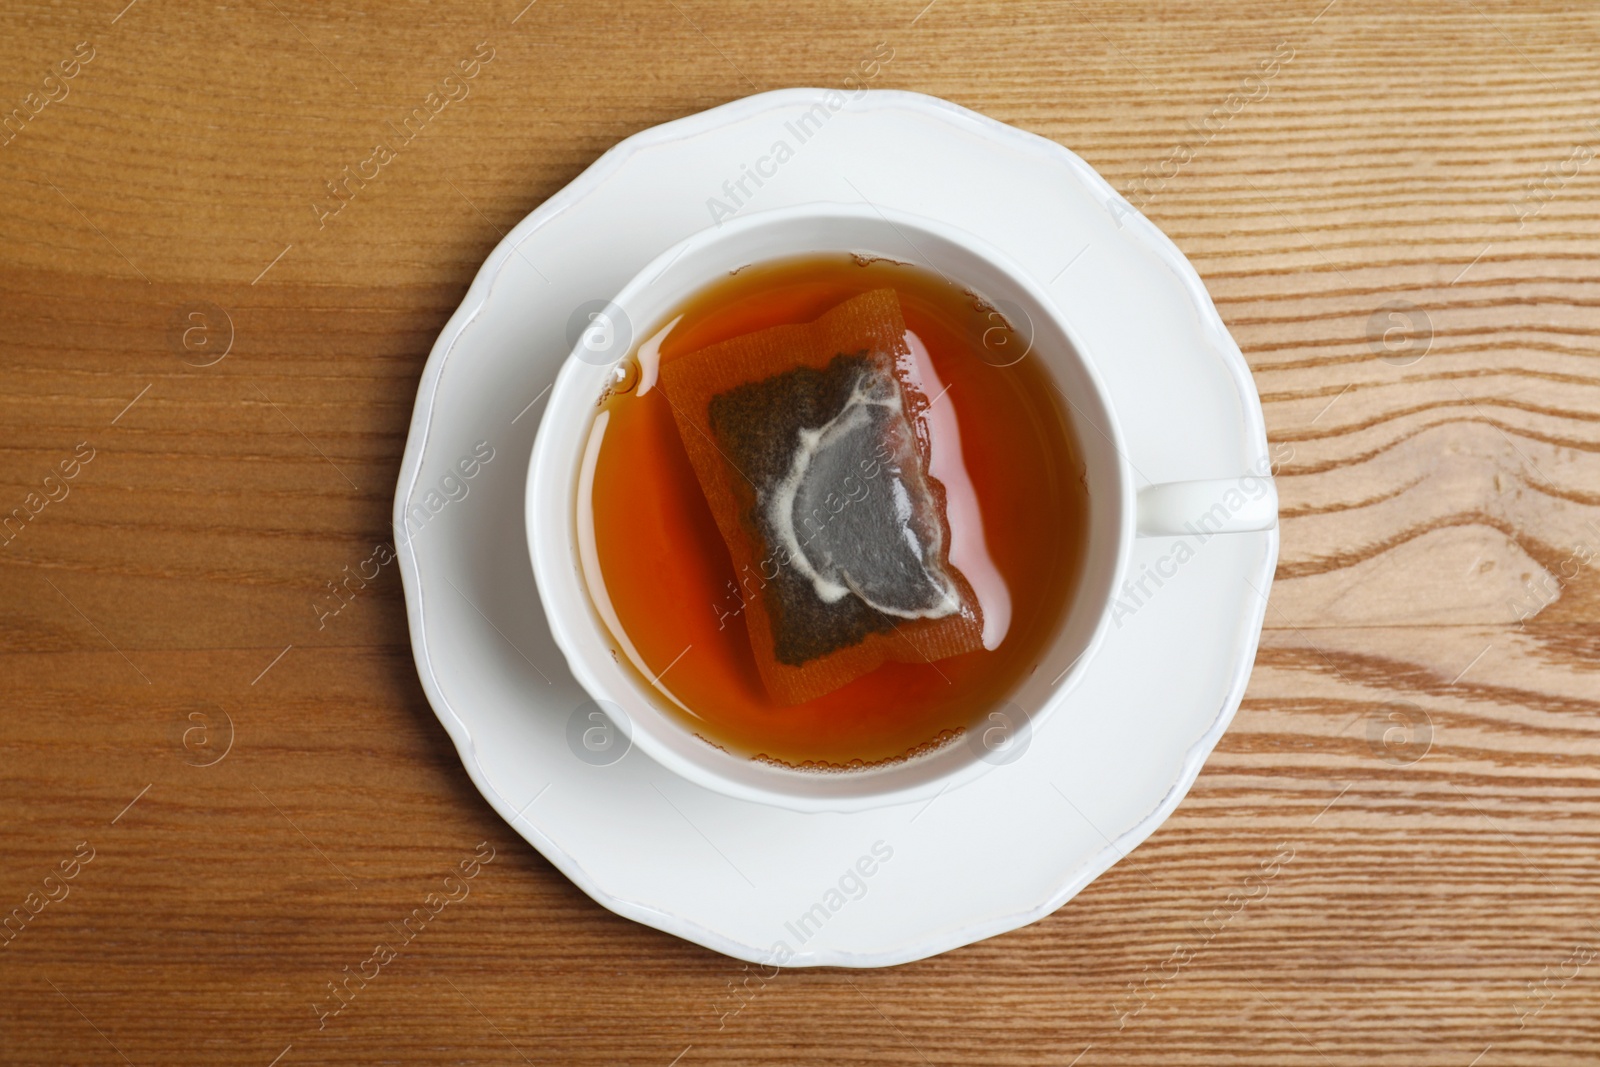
832 512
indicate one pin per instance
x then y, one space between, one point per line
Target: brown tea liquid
667 572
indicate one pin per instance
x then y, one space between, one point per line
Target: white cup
1117 514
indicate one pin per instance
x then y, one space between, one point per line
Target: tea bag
805 439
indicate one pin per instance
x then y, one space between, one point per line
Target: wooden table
1395 210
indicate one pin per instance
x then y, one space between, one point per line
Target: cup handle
1226 505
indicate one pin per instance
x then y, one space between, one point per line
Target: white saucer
739 877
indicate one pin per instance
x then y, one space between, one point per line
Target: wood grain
1421 733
